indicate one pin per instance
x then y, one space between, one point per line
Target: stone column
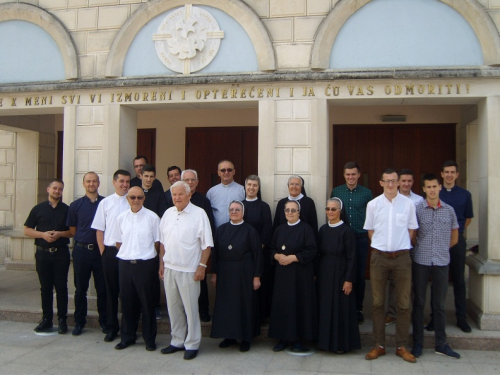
484 278
293 139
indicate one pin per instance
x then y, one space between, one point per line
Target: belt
391 254
49 249
89 246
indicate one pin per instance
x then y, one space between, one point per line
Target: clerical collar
228 185
251 200
237 223
297 198
298 221
336 224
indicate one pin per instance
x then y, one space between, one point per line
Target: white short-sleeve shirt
390 222
137 232
107 212
184 235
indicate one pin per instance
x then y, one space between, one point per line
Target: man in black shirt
139 162
174 175
46 223
86 255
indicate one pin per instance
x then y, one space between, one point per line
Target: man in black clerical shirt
190 176
46 223
174 175
86 255
139 162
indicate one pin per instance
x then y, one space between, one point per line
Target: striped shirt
434 234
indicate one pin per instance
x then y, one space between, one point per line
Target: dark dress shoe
360 317
104 328
299 348
110 337
464 326
227 343
245 346
44 325
151 347
190 354
77 331
123 345
63 327
204 317
280 346
171 349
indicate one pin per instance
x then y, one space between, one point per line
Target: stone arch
470 10
243 14
49 23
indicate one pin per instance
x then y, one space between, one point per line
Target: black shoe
462 324
151 347
227 343
110 337
447 351
280 346
204 317
299 348
430 326
123 345
190 354
417 350
77 331
44 325
104 328
171 349
361 318
63 327
244 346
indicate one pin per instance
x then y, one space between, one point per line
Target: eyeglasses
327 209
235 210
138 197
290 210
389 182
228 170
188 180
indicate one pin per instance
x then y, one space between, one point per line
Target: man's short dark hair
224 161
172 168
149 168
388 171
449 163
123 172
430 177
141 157
352 165
406 171
55 180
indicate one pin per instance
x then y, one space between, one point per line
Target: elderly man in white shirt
137 237
186 240
391 222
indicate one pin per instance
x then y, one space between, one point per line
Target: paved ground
23 352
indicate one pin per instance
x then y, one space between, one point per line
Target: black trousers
457 271
203 298
361 257
85 263
420 276
52 269
137 278
110 270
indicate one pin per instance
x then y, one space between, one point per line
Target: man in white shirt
137 237
104 220
186 240
224 193
405 184
391 222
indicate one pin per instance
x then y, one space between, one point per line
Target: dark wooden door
146 144
205 147
420 148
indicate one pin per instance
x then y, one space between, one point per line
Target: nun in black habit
297 193
258 215
294 306
338 324
236 271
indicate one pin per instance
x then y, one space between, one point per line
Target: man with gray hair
186 240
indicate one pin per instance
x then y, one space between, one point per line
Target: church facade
279 86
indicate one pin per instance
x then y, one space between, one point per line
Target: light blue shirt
220 196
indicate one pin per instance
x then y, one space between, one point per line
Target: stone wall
7 158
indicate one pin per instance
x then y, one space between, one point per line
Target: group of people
309 283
